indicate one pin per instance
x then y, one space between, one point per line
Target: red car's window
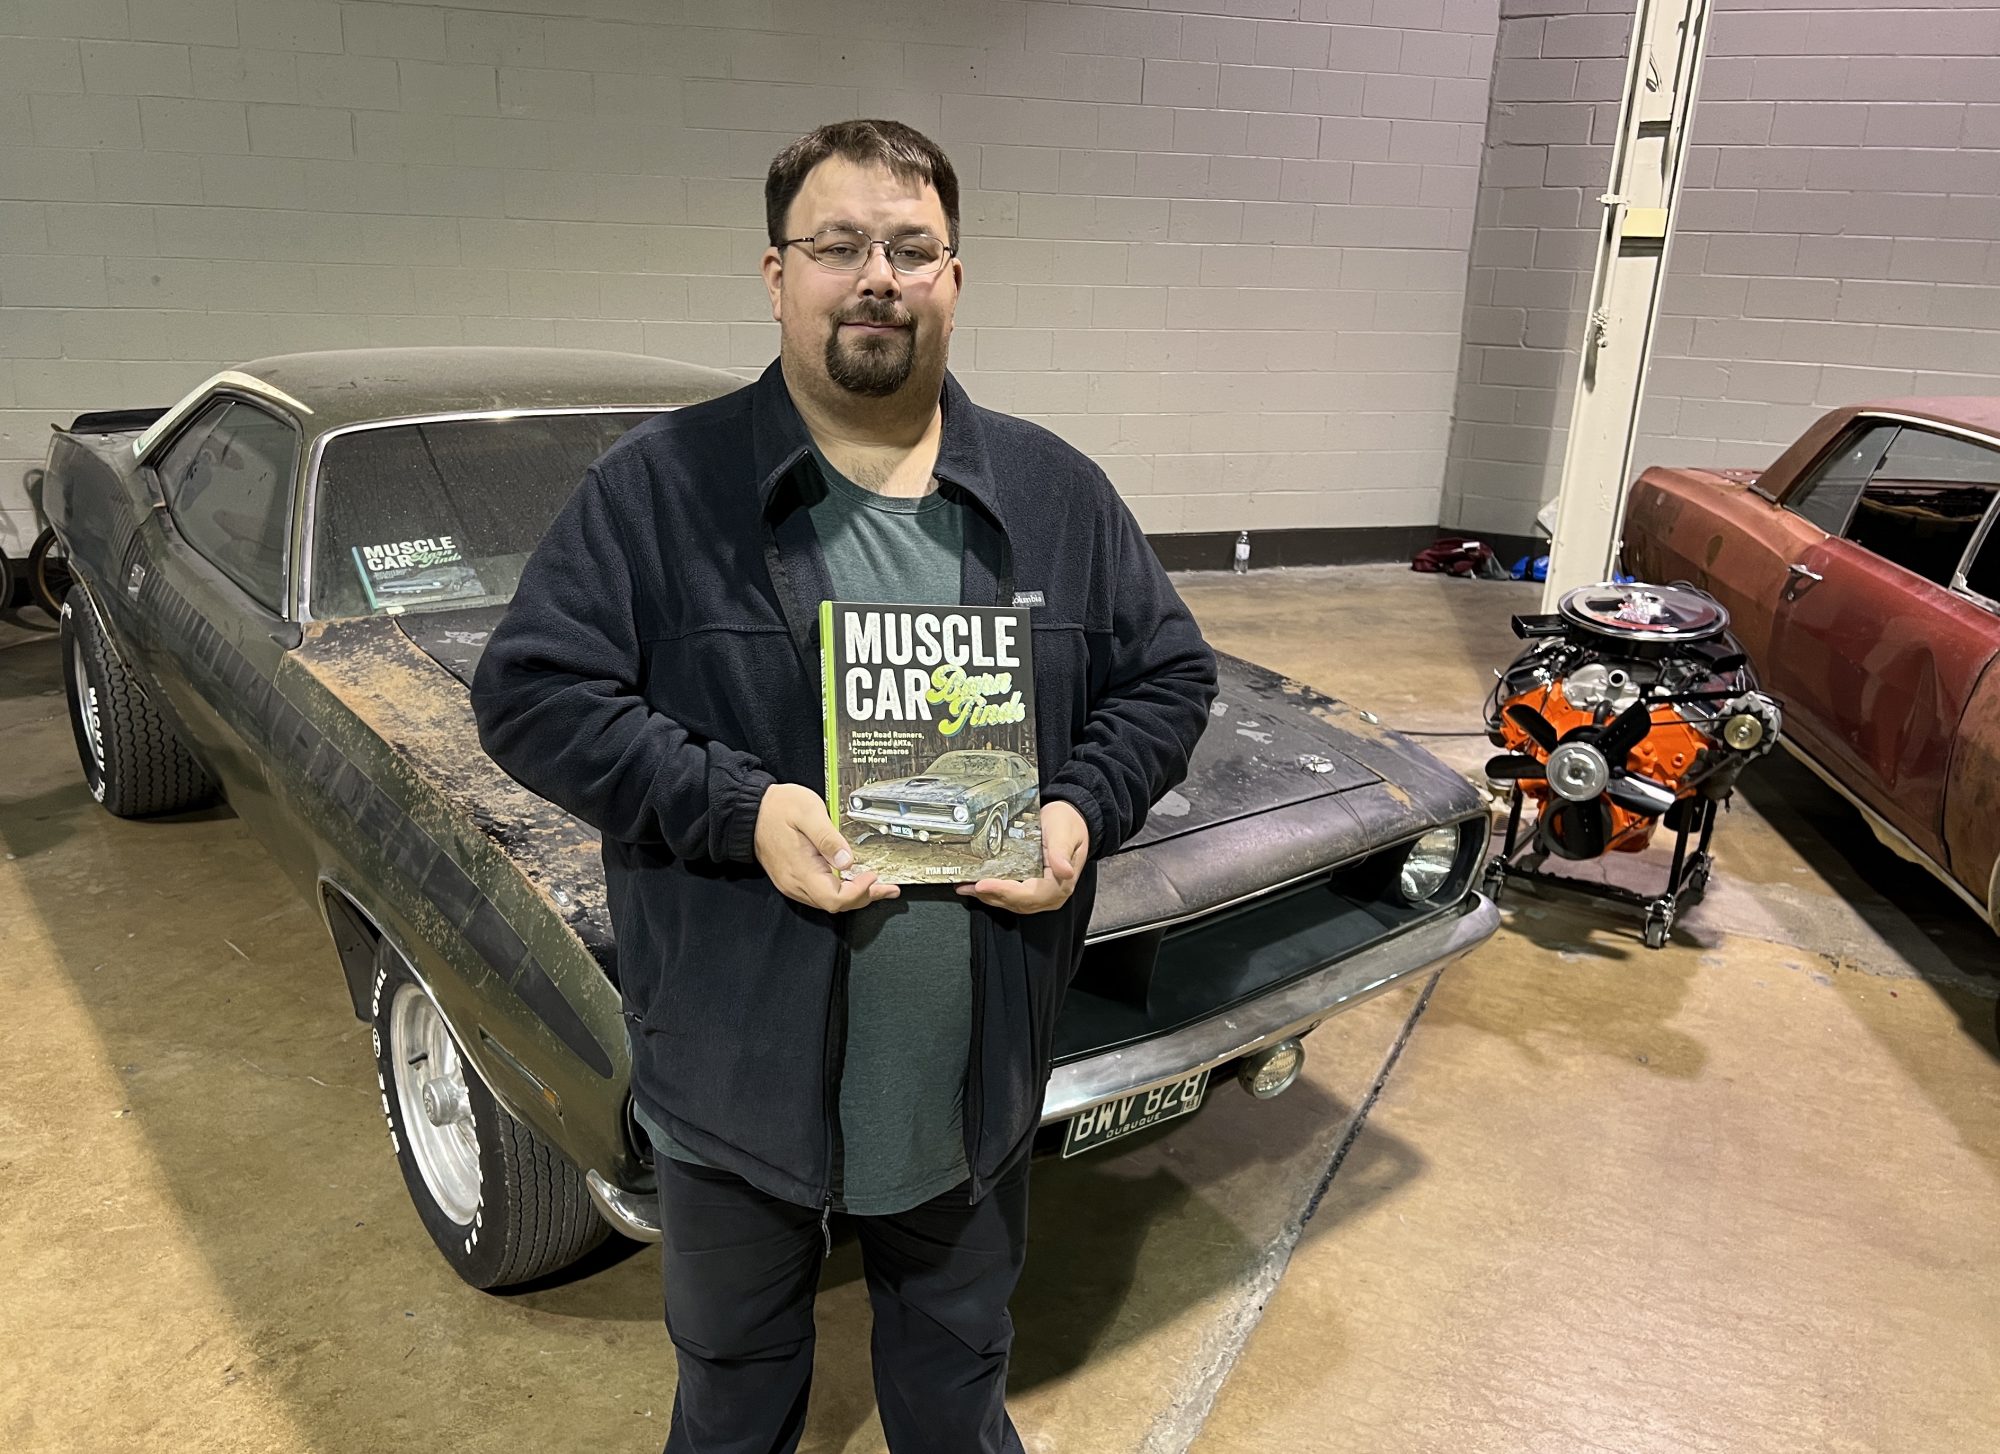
1982 577
1925 501
1827 496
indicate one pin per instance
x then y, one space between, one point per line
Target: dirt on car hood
1286 781
1270 742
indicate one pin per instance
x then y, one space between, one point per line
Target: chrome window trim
1989 529
229 380
301 584
1936 426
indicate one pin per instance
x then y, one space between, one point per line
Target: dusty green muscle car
283 584
960 797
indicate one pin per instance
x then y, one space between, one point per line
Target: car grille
1137 986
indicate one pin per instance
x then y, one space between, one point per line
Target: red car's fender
1972 796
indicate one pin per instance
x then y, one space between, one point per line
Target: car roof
1967 411
337 388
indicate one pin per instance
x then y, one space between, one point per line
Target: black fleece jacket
659 669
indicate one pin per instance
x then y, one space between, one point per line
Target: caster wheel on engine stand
1697 876
1659 924
1494 881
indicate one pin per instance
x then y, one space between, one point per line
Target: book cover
415 572
930 740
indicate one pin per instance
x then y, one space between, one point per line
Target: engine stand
1687 879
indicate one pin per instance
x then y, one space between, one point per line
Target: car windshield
968 764
421 517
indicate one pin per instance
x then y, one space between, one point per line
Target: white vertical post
1669 38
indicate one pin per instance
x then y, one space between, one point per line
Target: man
806 1040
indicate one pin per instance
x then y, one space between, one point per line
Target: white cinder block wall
1220 245
1839 234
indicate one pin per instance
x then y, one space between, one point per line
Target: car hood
393 689
1285 782
925 789
1270 742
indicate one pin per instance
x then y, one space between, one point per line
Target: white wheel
502 1205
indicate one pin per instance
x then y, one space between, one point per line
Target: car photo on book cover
930 736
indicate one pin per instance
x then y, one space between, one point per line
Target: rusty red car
1861 570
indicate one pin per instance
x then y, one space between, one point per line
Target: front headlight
961 813
1428 865
854 803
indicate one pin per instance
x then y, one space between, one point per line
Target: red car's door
1737 542
1972 788
1875 655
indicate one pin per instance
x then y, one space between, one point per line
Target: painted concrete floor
1741 1194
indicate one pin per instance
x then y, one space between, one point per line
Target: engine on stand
1631 708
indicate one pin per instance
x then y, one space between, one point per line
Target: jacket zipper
975 1078
835 1054
982 924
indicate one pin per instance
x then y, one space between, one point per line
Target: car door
215 599
1972 783
1878 653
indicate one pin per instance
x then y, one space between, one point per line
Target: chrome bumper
945 827
1283 1012
629 1213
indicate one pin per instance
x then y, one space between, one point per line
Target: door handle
1799 572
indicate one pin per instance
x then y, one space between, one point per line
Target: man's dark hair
904 150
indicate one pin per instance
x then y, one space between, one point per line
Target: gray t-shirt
909 982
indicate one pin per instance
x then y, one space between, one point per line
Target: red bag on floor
1456 555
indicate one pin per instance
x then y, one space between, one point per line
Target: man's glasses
846 250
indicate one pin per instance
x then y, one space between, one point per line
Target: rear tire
132 761
49 577
500 1203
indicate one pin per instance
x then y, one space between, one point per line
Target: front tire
501 1205
132 761
993 837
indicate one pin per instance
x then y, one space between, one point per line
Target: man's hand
1065 845
797 847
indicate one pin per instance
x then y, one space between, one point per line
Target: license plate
1120 1118
901 832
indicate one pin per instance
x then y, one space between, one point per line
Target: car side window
228 485
1924 502
180 456
1827 496
1982 576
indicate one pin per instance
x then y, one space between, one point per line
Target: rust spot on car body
425 716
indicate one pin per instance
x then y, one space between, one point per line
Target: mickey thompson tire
132 761
501 1205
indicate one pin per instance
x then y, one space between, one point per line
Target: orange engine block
1667 754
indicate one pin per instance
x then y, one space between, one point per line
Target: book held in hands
930 740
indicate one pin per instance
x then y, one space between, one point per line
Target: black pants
741 1271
